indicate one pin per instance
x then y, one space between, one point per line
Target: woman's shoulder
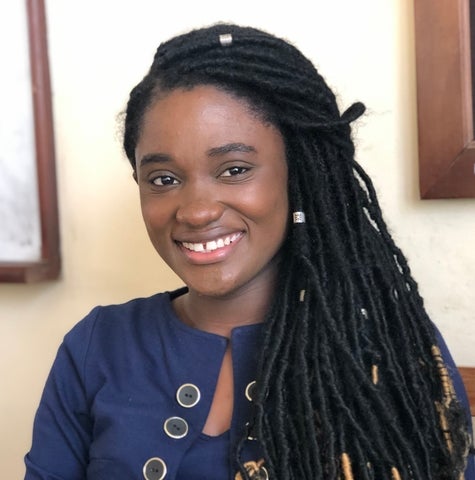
129 310
109 325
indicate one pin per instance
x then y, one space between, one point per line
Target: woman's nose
200 212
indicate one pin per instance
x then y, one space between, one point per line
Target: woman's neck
220 315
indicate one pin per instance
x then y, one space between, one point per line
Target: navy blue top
110 404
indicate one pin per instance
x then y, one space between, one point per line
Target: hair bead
226 39
298 217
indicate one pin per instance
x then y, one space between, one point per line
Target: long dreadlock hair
350 383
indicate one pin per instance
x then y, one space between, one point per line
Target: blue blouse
129 394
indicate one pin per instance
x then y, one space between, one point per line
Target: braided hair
350 384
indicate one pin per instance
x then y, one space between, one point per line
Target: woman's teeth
212 245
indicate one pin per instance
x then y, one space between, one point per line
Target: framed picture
29 238
444 98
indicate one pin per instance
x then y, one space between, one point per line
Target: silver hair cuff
226 39
299 217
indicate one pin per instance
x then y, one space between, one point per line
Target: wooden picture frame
47 265
444 99
468 377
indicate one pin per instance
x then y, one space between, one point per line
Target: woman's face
213 190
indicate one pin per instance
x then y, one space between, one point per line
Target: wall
98 51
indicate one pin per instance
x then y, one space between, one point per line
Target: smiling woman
299 347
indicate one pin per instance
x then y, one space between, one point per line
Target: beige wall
98 50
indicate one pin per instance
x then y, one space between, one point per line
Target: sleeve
63 428
462 397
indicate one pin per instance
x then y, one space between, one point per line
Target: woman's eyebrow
230 147
154 158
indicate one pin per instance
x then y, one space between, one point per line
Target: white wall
98 51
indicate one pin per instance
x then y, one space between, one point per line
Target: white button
263 475
188 395
250 390
175 427
154 469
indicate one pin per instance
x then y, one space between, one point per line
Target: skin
209 170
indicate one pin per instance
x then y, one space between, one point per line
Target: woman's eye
164 180
230 172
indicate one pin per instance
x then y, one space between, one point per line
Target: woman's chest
149 422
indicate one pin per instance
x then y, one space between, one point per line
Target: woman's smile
210 246
210 251
213 189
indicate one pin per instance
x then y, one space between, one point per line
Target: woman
299 348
